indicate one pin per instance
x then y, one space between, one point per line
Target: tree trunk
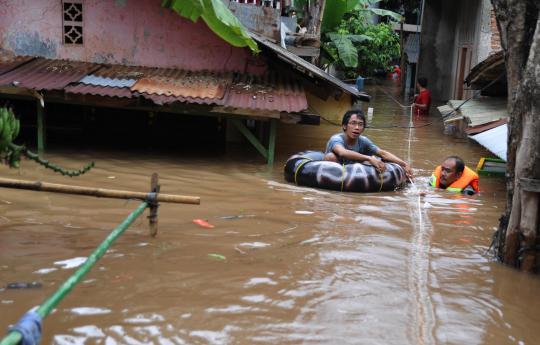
316 12
519 26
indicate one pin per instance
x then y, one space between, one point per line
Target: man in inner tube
350 146
454 176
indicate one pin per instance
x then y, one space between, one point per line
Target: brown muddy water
303 266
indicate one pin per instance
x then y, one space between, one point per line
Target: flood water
302 266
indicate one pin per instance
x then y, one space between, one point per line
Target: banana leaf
218 18
346 50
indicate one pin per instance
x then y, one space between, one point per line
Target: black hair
348 114
460 165
422 81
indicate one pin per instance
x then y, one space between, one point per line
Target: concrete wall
131 32
441 27
486 34
437 48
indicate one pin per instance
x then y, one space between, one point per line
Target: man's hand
379 165
408 171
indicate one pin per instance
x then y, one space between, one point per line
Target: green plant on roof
218 18
11 153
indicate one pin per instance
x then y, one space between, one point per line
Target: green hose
13 338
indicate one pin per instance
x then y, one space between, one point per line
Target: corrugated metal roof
482 128
104 81
46 74
248 92
495 140
487 70
8 63
105 91
181 83
309 69
160 85
269 93
479 111
489 76
125 72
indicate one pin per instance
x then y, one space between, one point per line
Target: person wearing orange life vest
454 176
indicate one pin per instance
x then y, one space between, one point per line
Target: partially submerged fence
28 328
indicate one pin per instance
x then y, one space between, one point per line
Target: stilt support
268 154
41 135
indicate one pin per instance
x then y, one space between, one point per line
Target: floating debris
217 256
240 216
203 223
303 212
24 285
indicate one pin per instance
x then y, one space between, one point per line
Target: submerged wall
132 32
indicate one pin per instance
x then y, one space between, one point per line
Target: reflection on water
290 264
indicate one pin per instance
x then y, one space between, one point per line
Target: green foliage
374 45
335 11
346 51
218 18
11 153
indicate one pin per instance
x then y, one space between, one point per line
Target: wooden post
41 134
272 141
152 217
250 137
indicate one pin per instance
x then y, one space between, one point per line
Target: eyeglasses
356 123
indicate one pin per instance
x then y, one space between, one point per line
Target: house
460 53
139 57
482 118
456 35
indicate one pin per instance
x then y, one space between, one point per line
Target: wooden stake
152 217
97 192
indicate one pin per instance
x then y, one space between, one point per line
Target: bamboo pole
97 192
14 337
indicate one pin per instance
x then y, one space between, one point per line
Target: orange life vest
468 178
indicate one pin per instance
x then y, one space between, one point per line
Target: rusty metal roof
187 84
161 85
489 76
46 74
309 69
270 92
8 63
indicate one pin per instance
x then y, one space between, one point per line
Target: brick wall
495 35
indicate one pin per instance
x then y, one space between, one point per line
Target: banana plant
347 52
349 23
335 11
218 18
11 153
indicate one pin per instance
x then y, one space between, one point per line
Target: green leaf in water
217 256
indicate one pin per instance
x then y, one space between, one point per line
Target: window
72 20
